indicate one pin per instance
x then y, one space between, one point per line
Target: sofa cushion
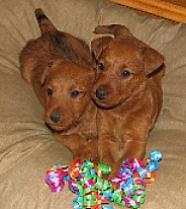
27 147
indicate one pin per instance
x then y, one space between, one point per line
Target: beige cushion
28 149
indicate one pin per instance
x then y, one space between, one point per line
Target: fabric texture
27 147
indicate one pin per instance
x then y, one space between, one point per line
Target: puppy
128 89
58 66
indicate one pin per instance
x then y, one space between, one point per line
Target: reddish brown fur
133 102
60 63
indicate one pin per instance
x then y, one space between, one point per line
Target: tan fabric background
27 148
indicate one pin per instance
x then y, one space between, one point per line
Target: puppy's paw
115 169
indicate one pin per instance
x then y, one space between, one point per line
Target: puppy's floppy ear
46 73
27 65
152 59
119 31
99 44
43 77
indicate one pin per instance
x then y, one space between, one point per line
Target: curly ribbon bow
93 191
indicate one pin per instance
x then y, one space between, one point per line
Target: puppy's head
123 64
66 90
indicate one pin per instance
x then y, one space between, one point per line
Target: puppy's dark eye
125 74
101 66
50 64
49 92
75 93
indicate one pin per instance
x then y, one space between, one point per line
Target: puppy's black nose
101 93
55 117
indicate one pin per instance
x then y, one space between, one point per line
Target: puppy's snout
101 93
56 117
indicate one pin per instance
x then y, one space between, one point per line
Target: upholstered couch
27 147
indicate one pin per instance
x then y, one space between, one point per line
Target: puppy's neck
137 96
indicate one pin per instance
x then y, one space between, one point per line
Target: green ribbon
117 197
104 169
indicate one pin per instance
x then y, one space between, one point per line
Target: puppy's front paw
115 169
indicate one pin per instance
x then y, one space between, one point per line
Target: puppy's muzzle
101 93
56 117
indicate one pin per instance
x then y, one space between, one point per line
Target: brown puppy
128 89
58 66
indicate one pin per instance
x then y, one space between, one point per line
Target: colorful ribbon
93 191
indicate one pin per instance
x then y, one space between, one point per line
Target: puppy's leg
108 149
134 147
